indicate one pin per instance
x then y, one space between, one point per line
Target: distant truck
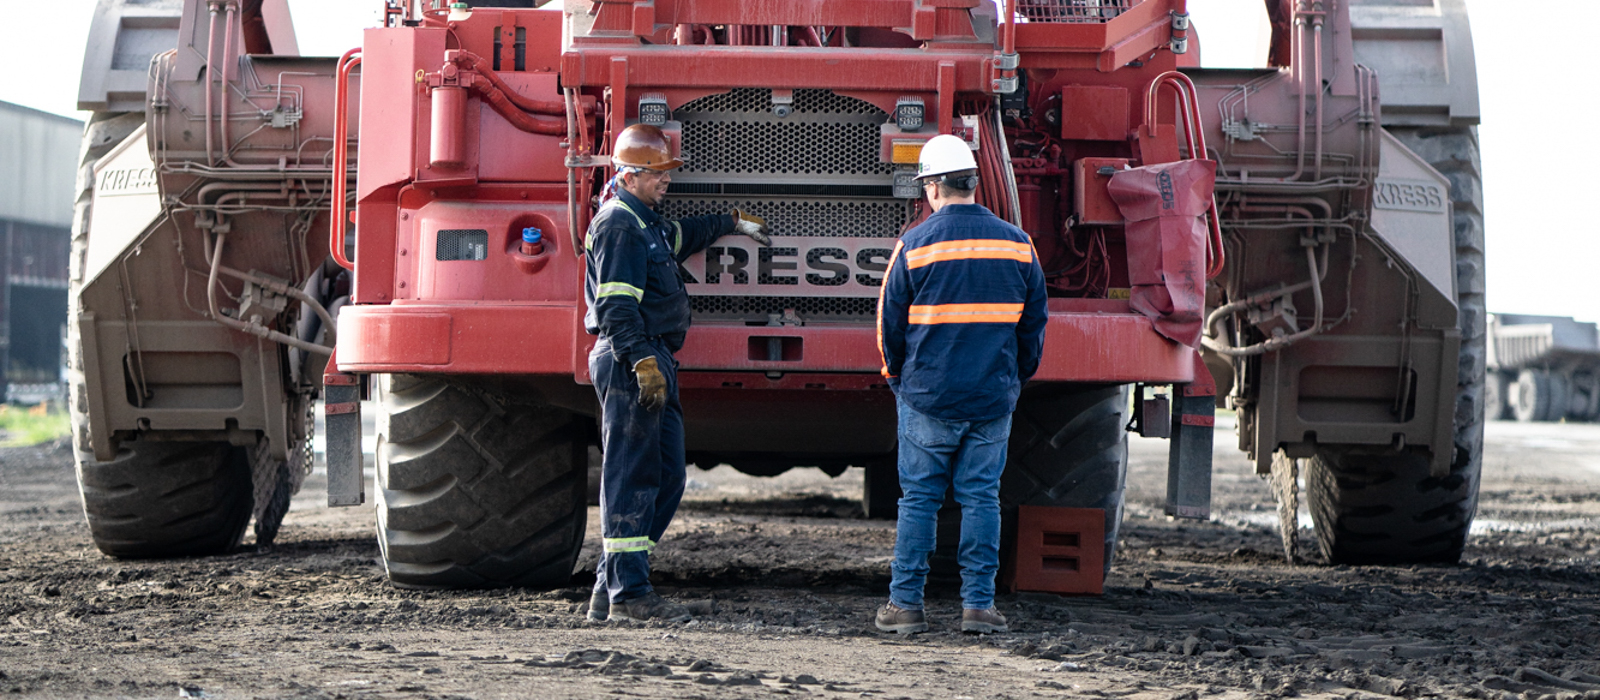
1542 368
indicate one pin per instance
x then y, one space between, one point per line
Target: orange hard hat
644 146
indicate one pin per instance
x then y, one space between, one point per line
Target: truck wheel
1068 449
1360 520
1372 507
1495 392
880 491
155 499
167 499
476 489
1532 396
1560 397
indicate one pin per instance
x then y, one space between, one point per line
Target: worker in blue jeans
961 319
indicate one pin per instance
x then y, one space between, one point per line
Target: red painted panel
826 349
375 248
509 338
639 18
1088 347
1094 113
1091 198
911 70
412 338
513 155
501 276
389 58
470 338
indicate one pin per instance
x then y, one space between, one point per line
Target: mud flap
1189 450
342 408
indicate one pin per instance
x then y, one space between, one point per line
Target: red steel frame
532 325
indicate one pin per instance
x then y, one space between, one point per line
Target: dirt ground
786 576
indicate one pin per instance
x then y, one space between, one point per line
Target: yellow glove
652 385
753 226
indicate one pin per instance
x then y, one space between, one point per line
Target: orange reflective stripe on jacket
970 249
965 313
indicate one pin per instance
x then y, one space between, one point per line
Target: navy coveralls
639 308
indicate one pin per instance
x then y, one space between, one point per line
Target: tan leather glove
652 384
753 226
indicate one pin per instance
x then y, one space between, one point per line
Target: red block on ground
1060 550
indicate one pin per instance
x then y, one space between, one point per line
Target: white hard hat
944 154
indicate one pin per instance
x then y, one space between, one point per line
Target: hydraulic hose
471 61
518 118
1271 344
253 328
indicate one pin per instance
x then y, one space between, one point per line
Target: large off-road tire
276 481
880 491
167 499
1384 508
476 489
1068 448
1539 396
1496 390
155 499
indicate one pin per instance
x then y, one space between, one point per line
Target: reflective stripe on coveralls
618 545
619 289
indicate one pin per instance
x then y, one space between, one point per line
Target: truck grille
1073 11
753 309
858 217
737 136
814 172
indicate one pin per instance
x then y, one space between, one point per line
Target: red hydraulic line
341 154
518 118
474 62
1009 44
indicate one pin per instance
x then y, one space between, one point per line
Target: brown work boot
893 618
983 621
650 606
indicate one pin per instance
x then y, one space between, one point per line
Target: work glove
652 385
755 227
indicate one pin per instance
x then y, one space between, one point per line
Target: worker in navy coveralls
961 320
640 309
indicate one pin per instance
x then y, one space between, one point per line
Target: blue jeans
934 455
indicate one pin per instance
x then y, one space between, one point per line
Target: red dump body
438 172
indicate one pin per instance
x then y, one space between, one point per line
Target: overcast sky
1537 135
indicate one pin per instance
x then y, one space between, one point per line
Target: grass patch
20 427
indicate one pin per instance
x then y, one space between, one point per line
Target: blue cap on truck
531 235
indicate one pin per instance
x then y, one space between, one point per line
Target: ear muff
965 183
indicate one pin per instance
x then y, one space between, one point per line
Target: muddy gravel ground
786 575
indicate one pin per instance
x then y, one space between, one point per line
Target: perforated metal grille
1073 11
738 134
758 308
462 244
860 217
735 139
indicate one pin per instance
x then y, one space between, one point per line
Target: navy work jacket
631 280
961 315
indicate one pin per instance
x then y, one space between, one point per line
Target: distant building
38 164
